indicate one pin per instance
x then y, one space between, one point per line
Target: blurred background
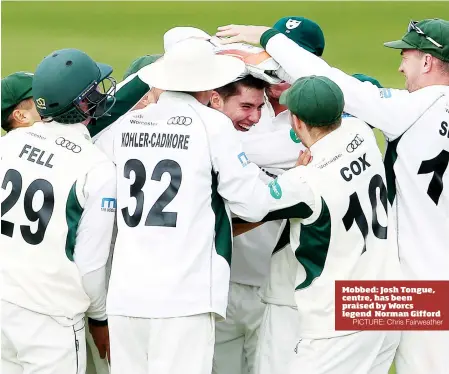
118 32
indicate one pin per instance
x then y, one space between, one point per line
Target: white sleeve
291 196
238 179
94 233
274 149
390 110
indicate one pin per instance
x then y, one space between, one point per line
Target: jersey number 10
355 212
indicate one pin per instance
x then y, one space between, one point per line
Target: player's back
44 168
173 246
419 160
350 234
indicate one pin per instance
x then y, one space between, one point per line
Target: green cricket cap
315 100
428 36
139 63
16 87
367 78
304 32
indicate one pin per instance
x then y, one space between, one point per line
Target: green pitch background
118 32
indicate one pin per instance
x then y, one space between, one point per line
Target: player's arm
390 110
97 196
128 94
278 149
238 179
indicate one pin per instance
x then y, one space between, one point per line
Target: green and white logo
275 189
294 137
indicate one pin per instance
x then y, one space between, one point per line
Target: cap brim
399 44
225 70
283 97
105 70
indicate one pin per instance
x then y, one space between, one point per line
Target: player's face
244 109
412 65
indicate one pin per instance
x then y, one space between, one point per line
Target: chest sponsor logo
355 143
275 189
243 159
66 143
180 120
108 204
294 137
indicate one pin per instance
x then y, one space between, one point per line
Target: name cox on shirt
154 140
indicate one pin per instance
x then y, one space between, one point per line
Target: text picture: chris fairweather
389 305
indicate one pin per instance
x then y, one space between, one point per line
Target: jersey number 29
42 215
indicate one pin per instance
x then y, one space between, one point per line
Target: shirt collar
327 141
177 96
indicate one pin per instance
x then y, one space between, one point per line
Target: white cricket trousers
423 352
364 352
236 337
34 343
277 339
178 345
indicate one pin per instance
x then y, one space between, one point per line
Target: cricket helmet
69 87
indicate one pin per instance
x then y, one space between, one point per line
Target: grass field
118 32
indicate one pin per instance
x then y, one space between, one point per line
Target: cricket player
19 110
180 169
236 338
345 229
58 204
414 123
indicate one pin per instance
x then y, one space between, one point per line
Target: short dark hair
232 89
7 125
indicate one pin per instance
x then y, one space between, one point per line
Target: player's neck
277 108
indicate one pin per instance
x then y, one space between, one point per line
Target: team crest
40 103
292 24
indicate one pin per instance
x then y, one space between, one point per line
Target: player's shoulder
215 121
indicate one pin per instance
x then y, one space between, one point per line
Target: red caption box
391 305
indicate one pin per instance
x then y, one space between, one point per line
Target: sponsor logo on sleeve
385 93
243 159
275 189
294 137
108 204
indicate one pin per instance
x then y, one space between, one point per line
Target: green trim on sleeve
73 213
391 155
314 245
266 36
300 210
126 97
223 232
